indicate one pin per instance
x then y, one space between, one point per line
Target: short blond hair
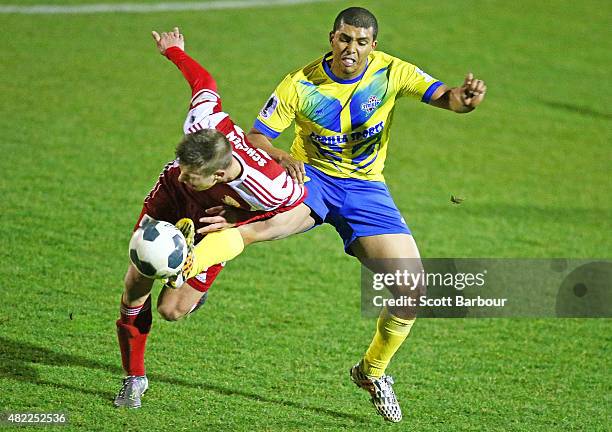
206 150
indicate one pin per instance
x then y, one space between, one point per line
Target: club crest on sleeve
269 107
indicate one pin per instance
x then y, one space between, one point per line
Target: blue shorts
356 208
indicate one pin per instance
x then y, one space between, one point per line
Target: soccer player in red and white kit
215 166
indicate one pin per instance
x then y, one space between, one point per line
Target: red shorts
204 280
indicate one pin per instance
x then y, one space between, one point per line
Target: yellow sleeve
279 110
412 81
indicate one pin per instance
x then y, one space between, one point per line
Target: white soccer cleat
381 391
131 391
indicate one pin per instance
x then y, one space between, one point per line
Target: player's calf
136 287
174 304
414 291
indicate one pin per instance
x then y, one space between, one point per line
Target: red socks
132 331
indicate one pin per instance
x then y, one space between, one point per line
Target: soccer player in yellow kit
342 104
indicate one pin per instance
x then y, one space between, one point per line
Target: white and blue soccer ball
158 249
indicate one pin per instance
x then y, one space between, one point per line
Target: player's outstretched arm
172 45
460 99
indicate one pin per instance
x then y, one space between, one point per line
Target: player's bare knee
170 312
249 235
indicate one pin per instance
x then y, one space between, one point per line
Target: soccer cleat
131 391
381 391
187 227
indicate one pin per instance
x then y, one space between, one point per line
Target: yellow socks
391 332
215 248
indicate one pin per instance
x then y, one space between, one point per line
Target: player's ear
374 44
219 175
331 36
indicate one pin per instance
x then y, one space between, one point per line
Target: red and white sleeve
205 101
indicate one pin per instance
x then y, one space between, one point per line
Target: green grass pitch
90 113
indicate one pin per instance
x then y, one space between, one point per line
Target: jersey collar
240 177
337 79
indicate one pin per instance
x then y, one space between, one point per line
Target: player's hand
469 95
169 39
294 167
220 217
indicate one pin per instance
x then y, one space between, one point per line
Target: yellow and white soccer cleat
187 227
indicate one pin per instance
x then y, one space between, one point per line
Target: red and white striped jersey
170 200
263 185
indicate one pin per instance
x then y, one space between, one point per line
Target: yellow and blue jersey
342 126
